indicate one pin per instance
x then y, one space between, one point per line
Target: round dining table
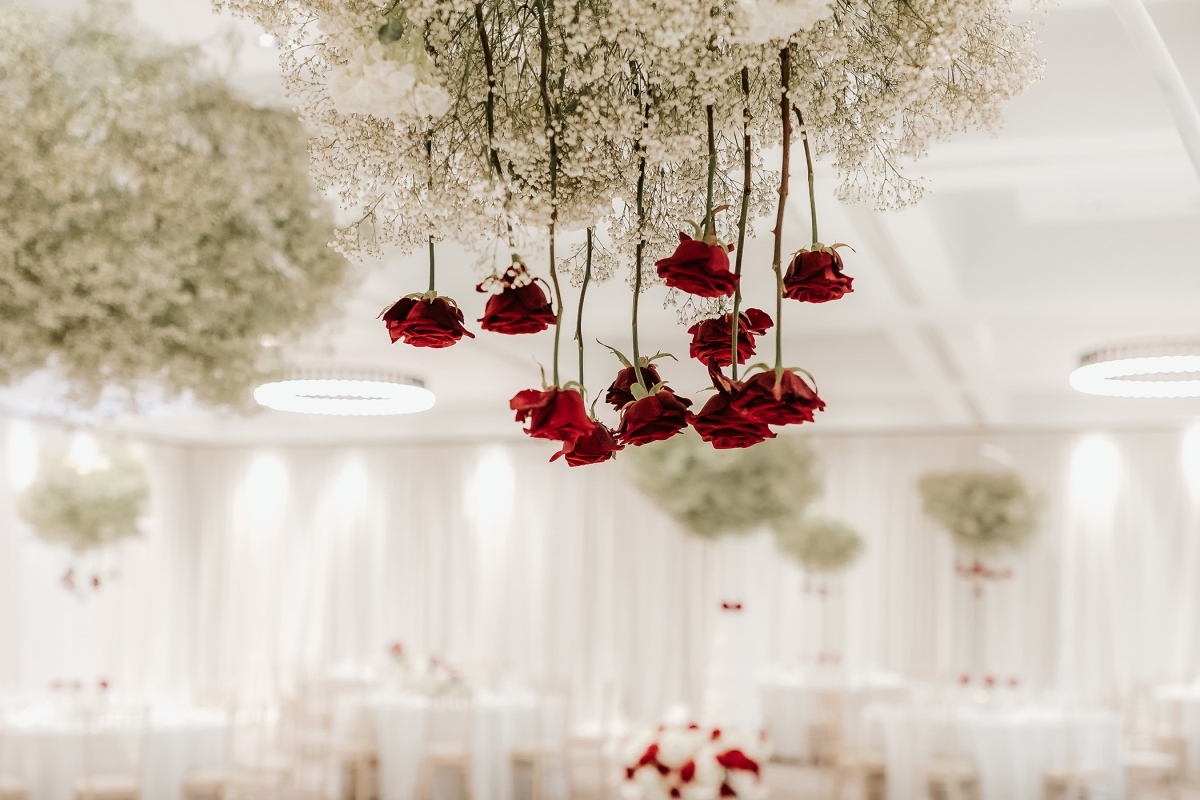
49 748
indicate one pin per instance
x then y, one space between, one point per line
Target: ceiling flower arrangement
819 544
638 128
154 227
984 510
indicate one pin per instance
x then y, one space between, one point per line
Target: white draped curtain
263 565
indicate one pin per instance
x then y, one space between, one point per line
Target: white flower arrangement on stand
683 759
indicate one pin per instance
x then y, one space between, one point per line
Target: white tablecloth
46 751
1011 748
1179 710
397 723
791 702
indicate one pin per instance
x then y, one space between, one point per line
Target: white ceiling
1077 225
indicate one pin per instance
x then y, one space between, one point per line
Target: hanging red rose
592 448
698 268
520 307
620 393
719 424
425 321
655 417
815 276
557 414
712 338
786 401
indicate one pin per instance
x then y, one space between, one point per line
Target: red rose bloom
721 425
517 309
553 414
788 402
424 322
592 448
620 393
687 771
816 277
711 338
736 759
698 268
653 418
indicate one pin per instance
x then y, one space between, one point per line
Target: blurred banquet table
1011 748
45 748
397 724
792 702
1179 706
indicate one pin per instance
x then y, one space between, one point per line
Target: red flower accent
517 309
964 679
787 400
103 686
663 769
736 759
712 338
989 681
727 790
816 277
727 606
716 734
423 322
687 772
396 649
653 418
720 423
95 581
674 791
592 448
698 268
555 414
619 393
629 773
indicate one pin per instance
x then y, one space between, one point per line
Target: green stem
637 276
812 192
549 114
587 277
785 71
747 164
712 174
431 263
558 314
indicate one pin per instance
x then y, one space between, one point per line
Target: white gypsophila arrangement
497 119
712 492
155 228
85 507
984 510
819 544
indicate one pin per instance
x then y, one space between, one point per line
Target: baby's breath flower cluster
472 119
153 226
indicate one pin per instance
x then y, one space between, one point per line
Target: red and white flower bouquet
692 762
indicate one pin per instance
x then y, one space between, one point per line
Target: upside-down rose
720 424
620 393
698 268
557 414
655 417
517 308
592 448
712 338
815 276
425 322
787 400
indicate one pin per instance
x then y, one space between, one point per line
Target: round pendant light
346 391
1167 368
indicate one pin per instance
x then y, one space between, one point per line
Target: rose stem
431 263
545 67
777 261
637 276
741 242
812 192
712 174
587 277
491 120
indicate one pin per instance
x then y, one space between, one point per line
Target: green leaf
639 392
618 354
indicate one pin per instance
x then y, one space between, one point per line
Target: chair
1071 784
952 779
1156 768
824 731
449 732
250 769
582 744
547 749
124 782
11 787
868 772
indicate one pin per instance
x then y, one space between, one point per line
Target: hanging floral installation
640 127
819 544
155 228
985 511
713 493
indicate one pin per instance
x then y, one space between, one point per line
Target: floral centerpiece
986 511
686 760
155 228
819 544
631 132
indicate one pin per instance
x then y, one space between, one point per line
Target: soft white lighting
1141 370
22 454
489 496
265 489
351 486
1190 453
85 455
266 41
343 392
1095 472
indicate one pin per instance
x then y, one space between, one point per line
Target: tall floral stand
979 575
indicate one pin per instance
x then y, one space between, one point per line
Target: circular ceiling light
345 391
1149 369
